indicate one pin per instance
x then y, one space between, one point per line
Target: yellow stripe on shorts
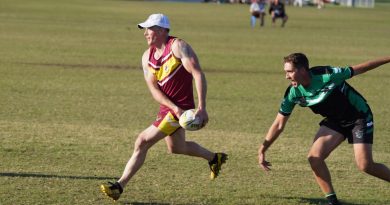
169 124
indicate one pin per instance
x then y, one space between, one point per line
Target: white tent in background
358 3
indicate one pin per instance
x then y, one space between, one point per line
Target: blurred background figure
320 4
257 10
298 3
276 9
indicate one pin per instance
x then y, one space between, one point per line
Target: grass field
73 100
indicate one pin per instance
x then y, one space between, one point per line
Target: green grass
73 100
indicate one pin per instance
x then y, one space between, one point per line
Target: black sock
332 199
215 159
119 187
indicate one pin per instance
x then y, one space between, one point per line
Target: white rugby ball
189 121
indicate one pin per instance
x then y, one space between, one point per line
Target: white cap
155 20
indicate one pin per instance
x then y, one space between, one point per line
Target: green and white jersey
328 95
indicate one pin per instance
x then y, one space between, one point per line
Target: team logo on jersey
359 134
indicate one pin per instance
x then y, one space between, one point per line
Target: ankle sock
116 184
215 159
332 198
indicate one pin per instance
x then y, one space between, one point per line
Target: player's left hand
204 117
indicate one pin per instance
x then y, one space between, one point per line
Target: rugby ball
189 121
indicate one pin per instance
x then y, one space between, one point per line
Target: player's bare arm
369 65
151 82
190 61
273 133
145 67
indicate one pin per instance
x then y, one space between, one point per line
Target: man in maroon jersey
169 65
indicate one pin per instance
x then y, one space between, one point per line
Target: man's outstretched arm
369 65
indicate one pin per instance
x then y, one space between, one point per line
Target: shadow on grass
317 201
144 203
314 201
39 175
150 203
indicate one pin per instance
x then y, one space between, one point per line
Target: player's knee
364 166
141 143
314 161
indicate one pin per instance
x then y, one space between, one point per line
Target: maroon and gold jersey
172 78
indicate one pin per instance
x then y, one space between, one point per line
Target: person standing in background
277 10
257 11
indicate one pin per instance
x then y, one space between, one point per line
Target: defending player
347 115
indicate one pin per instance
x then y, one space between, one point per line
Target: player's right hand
265 165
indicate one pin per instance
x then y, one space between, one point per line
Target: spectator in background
257 10
320 4
298 3
276 10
